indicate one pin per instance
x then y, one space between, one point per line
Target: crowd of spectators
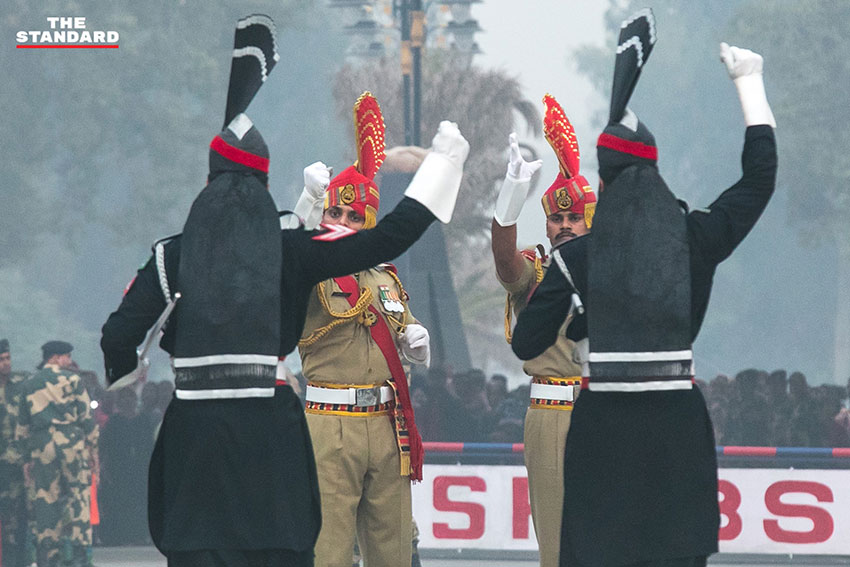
755 408
772 409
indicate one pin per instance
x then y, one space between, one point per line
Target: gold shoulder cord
538 277
399 326
360 308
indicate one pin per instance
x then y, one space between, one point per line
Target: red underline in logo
57 46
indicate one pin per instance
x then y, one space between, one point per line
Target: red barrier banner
763 511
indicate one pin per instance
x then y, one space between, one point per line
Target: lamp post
411 25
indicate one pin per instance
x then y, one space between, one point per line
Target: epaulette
532 253
388 267
165 240
529 254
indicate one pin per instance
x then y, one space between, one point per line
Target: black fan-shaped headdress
625 139
228 332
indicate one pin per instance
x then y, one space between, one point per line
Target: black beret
50 348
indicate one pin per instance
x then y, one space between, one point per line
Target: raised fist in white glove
745 69
317 177
518 168
416 344
437 180
740 62
514 189
449 142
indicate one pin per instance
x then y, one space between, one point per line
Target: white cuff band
436 185
511 198
309 209
754 100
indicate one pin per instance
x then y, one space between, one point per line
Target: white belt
648 386
224 393
360 397
561 393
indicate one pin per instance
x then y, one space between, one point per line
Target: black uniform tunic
240 473
640 471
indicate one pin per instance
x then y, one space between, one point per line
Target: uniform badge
347 194
390 300
563 199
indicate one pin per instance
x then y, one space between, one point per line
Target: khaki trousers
545 437
362 491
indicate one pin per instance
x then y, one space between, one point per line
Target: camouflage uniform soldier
57 436
13 501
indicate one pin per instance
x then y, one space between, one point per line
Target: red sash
409 440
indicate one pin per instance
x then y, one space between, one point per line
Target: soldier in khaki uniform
58 436
13 498
556 374
358 409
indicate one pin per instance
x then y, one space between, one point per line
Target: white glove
745 69
437 180
317 177
514 189
416 344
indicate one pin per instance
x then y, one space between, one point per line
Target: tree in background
107 147
485 104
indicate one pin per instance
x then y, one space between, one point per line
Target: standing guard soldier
640 468
555 373
13 496
358 407
57 435
232 478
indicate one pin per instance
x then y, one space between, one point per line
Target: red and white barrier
764 511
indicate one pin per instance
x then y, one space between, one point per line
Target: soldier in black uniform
232 478
640 470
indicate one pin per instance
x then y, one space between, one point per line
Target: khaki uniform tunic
545 429
357 456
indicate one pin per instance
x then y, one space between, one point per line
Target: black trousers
241 558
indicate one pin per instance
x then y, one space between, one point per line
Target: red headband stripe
239 156
632 148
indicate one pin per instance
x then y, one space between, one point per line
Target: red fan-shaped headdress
355 185
570 191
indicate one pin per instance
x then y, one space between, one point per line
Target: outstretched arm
716 231
509 261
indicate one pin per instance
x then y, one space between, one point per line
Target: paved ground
150 557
